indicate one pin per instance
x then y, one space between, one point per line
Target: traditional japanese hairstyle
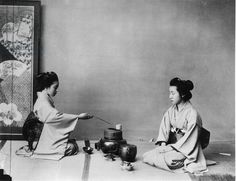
45 80
183 87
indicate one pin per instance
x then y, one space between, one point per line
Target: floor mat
26 169
96 167
225 177
105 169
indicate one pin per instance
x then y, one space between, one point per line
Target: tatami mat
106 170
94 167
26 169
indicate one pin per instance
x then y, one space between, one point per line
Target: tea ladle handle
102 120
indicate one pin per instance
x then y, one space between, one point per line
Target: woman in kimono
178 147
54 142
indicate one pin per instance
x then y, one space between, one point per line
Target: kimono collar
47 96
181 107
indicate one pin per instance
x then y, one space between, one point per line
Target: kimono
185 124
53 141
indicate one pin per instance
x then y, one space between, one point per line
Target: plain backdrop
115 58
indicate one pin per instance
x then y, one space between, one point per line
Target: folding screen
19 44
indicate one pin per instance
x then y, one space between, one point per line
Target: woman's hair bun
183 87
189 85
45 80
39 76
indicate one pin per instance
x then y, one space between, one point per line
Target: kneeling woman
54 142
178 144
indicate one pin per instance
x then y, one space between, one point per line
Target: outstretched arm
85 116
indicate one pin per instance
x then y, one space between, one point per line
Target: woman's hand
85 116
160 143
163 149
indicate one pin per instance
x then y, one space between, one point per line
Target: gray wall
115 58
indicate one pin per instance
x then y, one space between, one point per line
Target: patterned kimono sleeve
188 144
164 129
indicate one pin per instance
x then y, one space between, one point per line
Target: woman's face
52 90
174 96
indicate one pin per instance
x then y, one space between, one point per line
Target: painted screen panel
18 65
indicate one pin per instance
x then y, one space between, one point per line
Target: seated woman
178 140
54 142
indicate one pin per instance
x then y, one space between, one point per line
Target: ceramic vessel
111 146
127 152
113 134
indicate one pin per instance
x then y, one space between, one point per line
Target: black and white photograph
117 90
